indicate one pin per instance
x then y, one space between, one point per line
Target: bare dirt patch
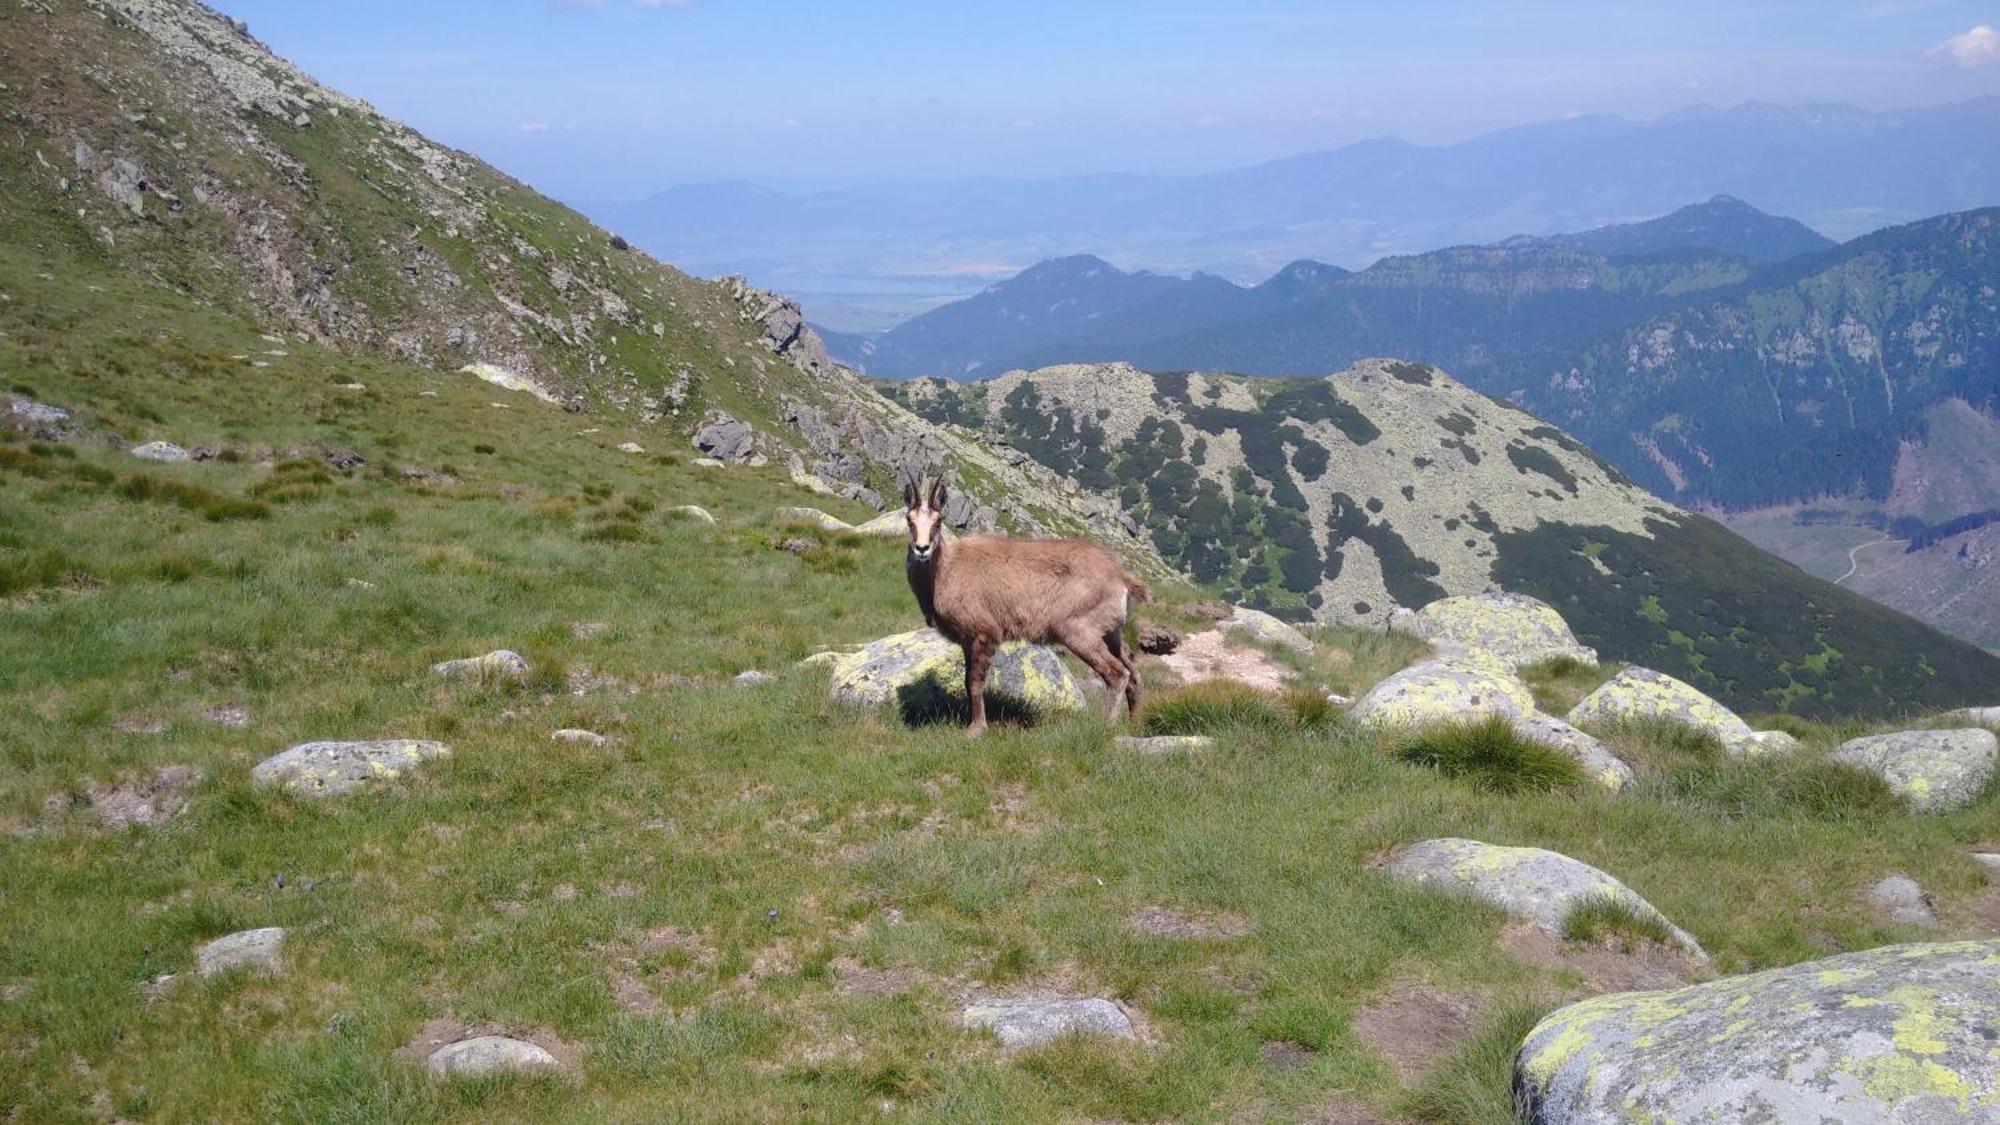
1345 1109
445 1029
1604 966
1413 1026
1210 656
857 979
1166 922
140 801
1285 1056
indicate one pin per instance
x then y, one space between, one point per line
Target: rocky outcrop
726 439
1514 628
329 769
1034 1021
922 670
1898 1034
1934 770
1537 886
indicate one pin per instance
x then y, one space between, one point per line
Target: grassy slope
1013 861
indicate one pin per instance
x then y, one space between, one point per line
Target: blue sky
612 99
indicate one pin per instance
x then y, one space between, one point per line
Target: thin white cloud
1978 47
533 127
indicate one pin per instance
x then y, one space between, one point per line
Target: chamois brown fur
984 591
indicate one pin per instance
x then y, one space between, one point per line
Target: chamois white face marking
925 515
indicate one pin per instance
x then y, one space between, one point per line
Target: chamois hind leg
1109 668
1115 641
978 659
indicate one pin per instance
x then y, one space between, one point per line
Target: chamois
982 591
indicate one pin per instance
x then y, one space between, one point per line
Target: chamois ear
938 494
910 489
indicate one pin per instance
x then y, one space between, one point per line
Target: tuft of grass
1491 756
1813 789
204 502
21 571
1657 747
1211 706
1561 683
1311 710
617 531
1475 1085
1608 919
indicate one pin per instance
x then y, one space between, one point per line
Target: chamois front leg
978 659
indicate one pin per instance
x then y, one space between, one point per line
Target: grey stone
573 734
693 512
889 525
751 677
1773 742
1934 770
814 517
1638 695
500 664
1538 886
488 1054
1456 687
1902 901
1031 1022
630 447
1604 767
255 950
38 413
725 439
1165 744
1901 1034
1513 628
165 452
1977 716
1268 629
328 769
1990 861
921 669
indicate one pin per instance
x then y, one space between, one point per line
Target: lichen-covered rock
580 736
255 950
1977 716
889 525
500 664
1901 1034
1538 886
1268 629
1514 628
29 413
509 380
1603 767
921 669
488 1054
1934 770
1454 688
165 452
694 512
1638 695
1902 901
328 769
1163 745
1776 742
815 517
1031 1022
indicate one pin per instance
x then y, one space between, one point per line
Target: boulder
1977 716
1454 688
1031 1022
1268 629
921 669
694 512
578 735
1776 742
889 525
1990 861
1514 628
630 447
1159 746
1934 770
28 413
725 439
1638 695
165 452
814 517
488 1054
1538 886
1604 767
1158 640
254 950
751 677
1902 901
1902 1033
329 769
500 664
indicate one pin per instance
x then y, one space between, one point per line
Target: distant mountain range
1843 171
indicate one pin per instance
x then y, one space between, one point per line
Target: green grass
1475 1084
1490 756
516 883
1609 919
1212 707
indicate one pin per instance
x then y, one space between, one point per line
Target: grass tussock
204 502
1492 757
1561 682
1808 788
1475 1085
1212 706
1606 919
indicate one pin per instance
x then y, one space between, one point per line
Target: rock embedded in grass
1990 861
1268 629
488 1054
1641 695
1158 640
1164 745
500 664
693 512
1458 687
133 802
1902 901
573 734
889 525
256 950
329 769
1533 884
1603 767
1033 1021
1934 770
814 517
37 413
1513 628
751 677
921 670
726 439
165 452
1977 716
630 447
1902 1033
